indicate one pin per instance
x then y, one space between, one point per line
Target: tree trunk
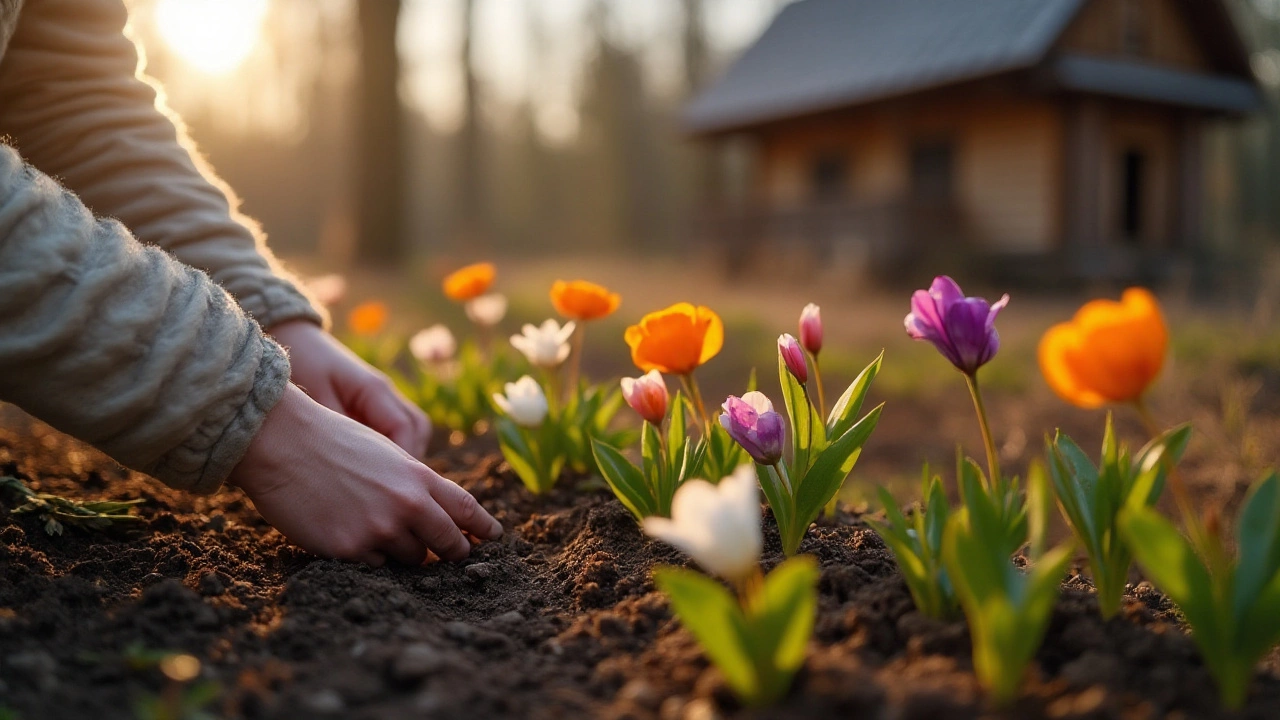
380 167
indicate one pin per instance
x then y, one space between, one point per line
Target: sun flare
213 36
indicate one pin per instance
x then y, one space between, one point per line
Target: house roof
827 54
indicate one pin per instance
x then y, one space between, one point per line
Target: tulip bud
716 525
811 328
754 425
793 357
524 402
647 395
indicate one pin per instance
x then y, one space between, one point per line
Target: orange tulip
470 282
676 340
368 318
1109 352
582 300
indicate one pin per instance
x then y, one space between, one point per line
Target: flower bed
558 619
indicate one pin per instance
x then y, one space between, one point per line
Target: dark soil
558 619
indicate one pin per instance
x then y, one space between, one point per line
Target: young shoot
822 454
529 439
756 633
916 544
1007 608
1091 499
1231 604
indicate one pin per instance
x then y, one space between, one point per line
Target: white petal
758 401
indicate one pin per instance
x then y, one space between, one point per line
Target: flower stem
817 380
993 458
748 590
691 387
575 359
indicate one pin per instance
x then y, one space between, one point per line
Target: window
931 172
1133 28
1132 175
829 177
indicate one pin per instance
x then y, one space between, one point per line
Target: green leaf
626 481
1039 508
845 412
782 622
711 614
808 435
1258 540
1173 565
656 475
775 492
677 436
830 469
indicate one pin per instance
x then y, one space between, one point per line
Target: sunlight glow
213 36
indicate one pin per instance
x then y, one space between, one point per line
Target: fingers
372 558
324 395
378 405
464 510
405 549
433 526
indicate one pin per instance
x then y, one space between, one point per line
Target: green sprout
823 454
917 547
1232 606
1007 608
1091 499
647 490
758 638
56 511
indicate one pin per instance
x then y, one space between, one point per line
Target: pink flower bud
793 357
811 328
647 395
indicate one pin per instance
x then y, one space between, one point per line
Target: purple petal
967 329
995 310
945 293
925 320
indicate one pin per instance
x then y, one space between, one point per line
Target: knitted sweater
140 334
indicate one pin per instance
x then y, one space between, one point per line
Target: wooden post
1084 233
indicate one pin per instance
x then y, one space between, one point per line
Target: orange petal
713 337
1053 350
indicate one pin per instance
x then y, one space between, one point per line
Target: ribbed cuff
203 462
281 301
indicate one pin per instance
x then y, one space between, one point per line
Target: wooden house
1062 135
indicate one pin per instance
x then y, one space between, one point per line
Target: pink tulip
811 328
647 395
793 357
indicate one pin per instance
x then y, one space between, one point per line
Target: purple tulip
754 425
962 328
793 357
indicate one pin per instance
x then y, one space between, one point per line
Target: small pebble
509 618
356 610
211 584
642 693
429 584
325 701
418 661
479 571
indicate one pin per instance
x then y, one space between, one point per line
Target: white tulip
716 525
546 346
487 310
525 403
433 345
327 289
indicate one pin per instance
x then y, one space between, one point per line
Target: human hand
334 377
338 489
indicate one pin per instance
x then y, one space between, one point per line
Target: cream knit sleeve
122 346
73 103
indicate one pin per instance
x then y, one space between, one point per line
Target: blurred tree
471 204
380 150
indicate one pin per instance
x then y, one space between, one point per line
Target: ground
559 618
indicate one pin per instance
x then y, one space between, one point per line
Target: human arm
120 345
73 101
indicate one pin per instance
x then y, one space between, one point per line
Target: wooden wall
1007 162
1152 30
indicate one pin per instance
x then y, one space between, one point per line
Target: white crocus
525 403
487 310
546 346
716 525
433 345
328 290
